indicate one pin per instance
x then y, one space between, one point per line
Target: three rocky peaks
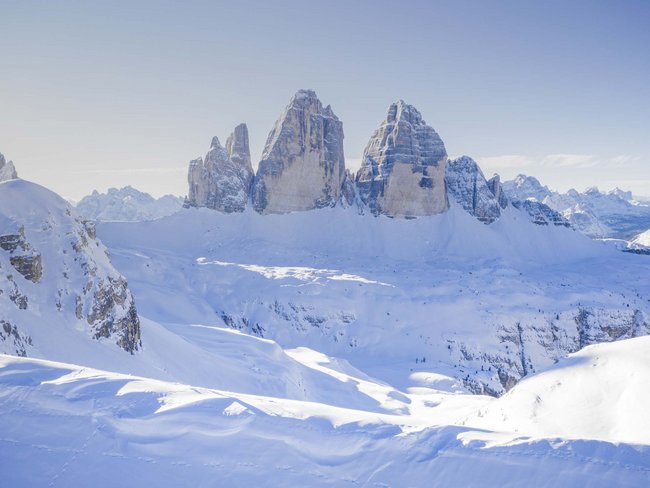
405 170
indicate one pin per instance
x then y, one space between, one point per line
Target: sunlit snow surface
299 273
65 425
336 392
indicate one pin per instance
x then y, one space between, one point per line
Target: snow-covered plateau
319 348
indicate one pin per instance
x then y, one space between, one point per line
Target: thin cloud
624 159
507 161
131 171
569 160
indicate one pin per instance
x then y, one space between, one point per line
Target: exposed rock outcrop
495 186
238 148
540 213
348 190
403 167
22 256
7 169
467 186
222 182
63 274
302 166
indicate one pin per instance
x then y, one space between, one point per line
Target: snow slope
487 304
76 424
643 239
599 393
323 348
53 268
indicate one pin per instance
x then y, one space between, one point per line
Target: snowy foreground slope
65 425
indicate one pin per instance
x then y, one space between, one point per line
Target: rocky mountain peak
625 195
403 166
524 187
494 184
216 144
127 204
7 169
305 95
238 147
302 165
467 185
222 180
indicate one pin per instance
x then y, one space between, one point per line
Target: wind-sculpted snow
75 424
598 393
403 166
487 305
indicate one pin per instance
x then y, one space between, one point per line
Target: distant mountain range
127 204
613 214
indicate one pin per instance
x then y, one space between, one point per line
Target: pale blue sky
110 93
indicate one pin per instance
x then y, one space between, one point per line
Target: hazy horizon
113 94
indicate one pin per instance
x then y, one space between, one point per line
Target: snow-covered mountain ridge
75 422
53 268
127 204
599 214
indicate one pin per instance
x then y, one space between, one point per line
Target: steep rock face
7 169
495 186
349 195
467 185
238 148
302 166
403 167
222 182
540 213
56 276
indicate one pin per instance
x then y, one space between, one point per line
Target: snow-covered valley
321 348
485 304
